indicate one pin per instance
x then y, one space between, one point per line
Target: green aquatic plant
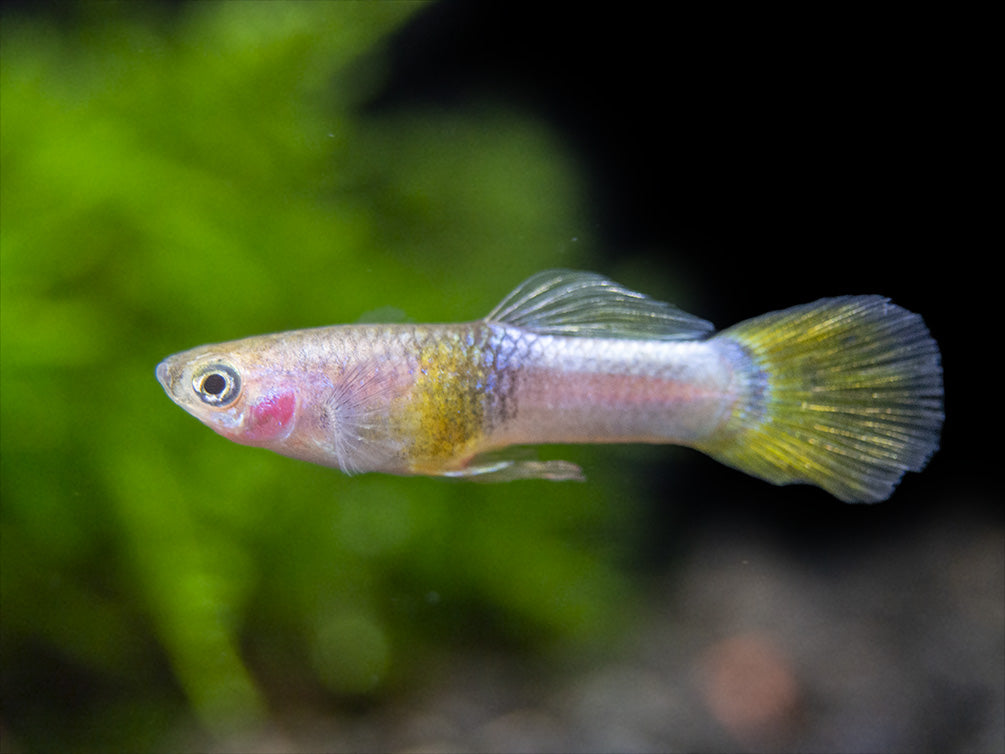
173 177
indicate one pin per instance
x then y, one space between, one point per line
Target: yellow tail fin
845 393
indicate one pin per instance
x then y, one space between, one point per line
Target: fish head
230 391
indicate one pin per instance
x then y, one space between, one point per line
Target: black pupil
214 384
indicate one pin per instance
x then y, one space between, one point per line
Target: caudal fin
844 393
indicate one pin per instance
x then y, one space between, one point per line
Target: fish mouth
164 376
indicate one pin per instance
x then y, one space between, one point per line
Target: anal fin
491 468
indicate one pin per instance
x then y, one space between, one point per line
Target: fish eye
217 385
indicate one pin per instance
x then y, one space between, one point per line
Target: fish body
845 393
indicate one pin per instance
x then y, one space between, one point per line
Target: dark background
771 156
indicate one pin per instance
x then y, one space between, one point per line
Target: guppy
844 393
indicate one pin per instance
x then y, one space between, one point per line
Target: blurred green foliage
175 177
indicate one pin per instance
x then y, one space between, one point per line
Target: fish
845 393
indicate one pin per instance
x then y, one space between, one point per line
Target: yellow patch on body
447 405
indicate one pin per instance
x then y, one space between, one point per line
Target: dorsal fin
574 303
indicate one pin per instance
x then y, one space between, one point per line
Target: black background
781 156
